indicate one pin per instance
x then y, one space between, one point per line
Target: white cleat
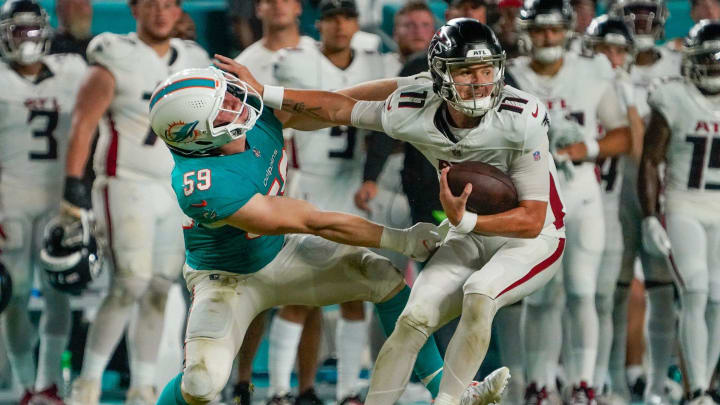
85 392
488 391
144 395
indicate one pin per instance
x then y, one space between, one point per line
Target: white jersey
571 93
515 129
35 122
127 147
327 151
693 155
643 76
260 60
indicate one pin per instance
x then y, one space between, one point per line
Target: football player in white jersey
132 199
610 36
576 107
38 96
683 133
488 261
647 21
328 169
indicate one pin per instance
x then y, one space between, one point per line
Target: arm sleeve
368 115
380 146
530 172
611 114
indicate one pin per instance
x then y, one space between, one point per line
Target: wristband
593 148
76 193
467 223
392 239
273 96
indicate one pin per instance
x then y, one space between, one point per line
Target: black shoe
309 397
351 400
286 399
242 393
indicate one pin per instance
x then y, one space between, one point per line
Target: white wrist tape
592 149
393 239
467 223
273 96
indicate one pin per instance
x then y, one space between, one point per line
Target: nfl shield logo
536 155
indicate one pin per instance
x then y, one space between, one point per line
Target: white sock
661 335
616 365
445 399
284 339
584 335
712 318
350 340
509 332
141 373
604 306
694 339
49 368
93 365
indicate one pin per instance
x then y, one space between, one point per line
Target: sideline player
236 231
647 21
132 199
328 168
576 107
682 134
610 36
39 92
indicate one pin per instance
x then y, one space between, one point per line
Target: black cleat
309 397
242 393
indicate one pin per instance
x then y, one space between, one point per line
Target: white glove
564 132
654 237
624 88
417 242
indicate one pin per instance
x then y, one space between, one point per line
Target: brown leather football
493 191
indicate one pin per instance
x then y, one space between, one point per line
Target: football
493 191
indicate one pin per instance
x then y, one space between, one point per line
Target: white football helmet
184 108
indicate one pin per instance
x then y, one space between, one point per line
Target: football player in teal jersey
229 177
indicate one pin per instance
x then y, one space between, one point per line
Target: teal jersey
210 189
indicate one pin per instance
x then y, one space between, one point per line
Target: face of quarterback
156 19
616 54
473 81
336 31
278 14
228 112
413 31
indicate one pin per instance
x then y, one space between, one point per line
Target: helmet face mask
701 56
609 35
467 65
196 111
24 32
645 18
541 15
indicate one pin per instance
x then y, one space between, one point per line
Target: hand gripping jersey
127 147
515 129
693 154
327 151
35 122
210 189
571 92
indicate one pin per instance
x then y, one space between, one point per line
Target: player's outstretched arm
93 99
304 110
269 215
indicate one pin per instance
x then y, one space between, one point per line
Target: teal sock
429 360
171 394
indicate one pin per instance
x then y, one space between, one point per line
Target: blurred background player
681 134
611 37
74 21
134 205
35 108
328 168
647 20
576 108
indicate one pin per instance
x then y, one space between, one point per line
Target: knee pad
128 289
198 385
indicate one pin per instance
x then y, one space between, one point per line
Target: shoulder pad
525 115
68 62
110 46
192 49
404 107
